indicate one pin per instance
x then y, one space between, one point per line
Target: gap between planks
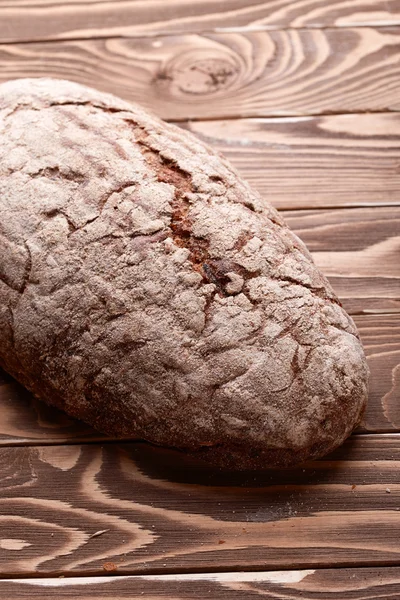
17 443
170 573
341 207
193 573
290 117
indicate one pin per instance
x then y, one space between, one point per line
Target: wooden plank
358 250
313 162
160 511
26 420
381 339
220 75
310 584
55 19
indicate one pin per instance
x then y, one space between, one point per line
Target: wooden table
304 97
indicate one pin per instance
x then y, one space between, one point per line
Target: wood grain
310 584
381 340
243 74
314 162
55 19
26 420
358 250
102 511
164 512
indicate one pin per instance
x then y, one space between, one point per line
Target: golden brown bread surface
146 289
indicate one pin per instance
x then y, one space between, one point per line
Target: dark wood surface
160 511
304 99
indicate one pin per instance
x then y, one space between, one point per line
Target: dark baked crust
146 289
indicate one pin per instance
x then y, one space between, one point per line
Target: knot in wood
196 74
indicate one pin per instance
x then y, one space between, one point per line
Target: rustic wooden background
304 97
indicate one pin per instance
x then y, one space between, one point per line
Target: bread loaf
146 289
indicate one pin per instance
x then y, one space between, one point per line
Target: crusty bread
146 289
